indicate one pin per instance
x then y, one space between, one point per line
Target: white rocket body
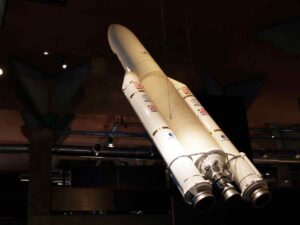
164 111
244 173
191 183
135 58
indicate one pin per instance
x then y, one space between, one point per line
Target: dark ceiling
79 27
188 39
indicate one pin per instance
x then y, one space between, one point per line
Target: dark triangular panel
2 12
63 121
211 86
284 35
65 87
23 96
34 82
248 89
31 120
60 123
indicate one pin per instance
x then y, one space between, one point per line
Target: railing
282 143
276 153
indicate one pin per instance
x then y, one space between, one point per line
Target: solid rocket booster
195 189
194 141
254 188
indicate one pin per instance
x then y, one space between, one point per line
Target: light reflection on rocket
194 148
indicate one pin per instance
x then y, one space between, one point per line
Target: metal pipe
102 133
275 161
276 138
108 152
141 152
9 148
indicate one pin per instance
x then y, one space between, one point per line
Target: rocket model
196 151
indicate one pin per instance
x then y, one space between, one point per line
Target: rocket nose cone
111 33
117 30
115 33
114 28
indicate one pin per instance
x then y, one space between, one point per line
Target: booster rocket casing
191 183
190 144
243 171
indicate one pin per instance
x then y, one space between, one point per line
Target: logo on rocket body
146 98
152 108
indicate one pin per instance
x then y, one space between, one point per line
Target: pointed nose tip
111 35
115 33
111 30
115 28
112 27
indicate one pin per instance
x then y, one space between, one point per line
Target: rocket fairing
194 148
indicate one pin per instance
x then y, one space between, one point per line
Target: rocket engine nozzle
260 197
212 166
229 192
204 201
200 196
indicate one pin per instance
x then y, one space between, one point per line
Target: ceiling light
24 180
1 72
46 53
64 66
110 143
265 156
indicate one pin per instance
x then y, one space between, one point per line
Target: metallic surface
229 193
260 197
204 201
